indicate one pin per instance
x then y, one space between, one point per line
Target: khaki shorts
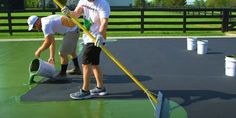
69 42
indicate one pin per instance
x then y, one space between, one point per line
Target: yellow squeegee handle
122 67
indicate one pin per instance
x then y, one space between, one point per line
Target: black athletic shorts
91 54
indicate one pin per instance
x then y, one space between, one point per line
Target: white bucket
230 66
41 68
191 43
202 46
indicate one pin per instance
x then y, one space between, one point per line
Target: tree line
183 3
145 3
42 3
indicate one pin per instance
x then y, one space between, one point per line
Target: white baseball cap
31 21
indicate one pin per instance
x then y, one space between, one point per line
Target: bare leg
64 59
86 76
98 75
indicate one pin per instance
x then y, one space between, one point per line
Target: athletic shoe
74 71
80 95
98 91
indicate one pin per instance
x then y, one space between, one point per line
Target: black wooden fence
226 19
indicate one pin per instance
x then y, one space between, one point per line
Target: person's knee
85 66
95 67
63 55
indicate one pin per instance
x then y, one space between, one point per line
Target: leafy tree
40 3
196 3
217 3
221 3
203 3
210 3
156 3
232 3
31 3
139 3
167 3
199 3
174 3
179 3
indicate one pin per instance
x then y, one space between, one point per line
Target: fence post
225 22
53 12
44 4
9 22
184 20
205 11
199 12
142 21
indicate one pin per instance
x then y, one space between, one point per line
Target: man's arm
101 36
77 12
103 27
49 40
52 52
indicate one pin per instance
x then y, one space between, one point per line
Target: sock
84 91
99 87
76 63
63 68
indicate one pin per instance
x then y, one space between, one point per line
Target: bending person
51 25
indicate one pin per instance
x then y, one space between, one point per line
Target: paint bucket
41 68
202 46
230 65
191 43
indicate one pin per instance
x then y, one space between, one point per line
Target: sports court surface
196 82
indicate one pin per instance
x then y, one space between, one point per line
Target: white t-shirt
94 11
57 24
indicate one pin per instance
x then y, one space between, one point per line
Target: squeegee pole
108 53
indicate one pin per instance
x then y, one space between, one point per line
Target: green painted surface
14 74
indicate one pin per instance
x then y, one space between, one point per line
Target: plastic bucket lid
192 38
230 58
202 42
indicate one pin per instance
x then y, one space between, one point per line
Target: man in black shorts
96 14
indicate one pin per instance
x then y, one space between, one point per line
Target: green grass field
24 35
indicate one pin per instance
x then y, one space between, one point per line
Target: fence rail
145 19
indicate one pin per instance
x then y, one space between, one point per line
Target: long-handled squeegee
155 100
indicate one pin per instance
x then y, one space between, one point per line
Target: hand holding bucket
40 68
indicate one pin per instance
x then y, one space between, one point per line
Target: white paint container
230 66
41 68
202 47
191 43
